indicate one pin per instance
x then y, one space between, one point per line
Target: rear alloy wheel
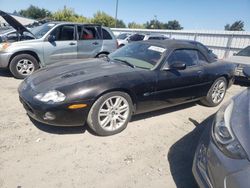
216 93
23 65
110 114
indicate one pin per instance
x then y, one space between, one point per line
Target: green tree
104 19
174 25
35 12
134 25
120 24
68 14
236 26
154 24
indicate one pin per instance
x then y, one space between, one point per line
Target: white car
241 59
123 39
128 37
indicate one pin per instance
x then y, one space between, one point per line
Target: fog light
49 116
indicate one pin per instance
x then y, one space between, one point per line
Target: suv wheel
23 65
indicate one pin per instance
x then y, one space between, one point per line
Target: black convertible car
137 78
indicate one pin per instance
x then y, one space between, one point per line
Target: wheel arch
34 54
102 52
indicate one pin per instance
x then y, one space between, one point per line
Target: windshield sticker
157 49
51 25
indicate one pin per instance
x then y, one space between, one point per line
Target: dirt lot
155 150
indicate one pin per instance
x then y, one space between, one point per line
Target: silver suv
52 42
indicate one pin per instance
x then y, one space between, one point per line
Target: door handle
95 43
200 73
72 43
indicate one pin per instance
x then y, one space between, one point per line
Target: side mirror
52 38
246 72
178 65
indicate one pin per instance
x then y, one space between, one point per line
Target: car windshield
244 52
123 36
41 30
142 55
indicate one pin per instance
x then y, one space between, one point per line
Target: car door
178 86
63 44
89 42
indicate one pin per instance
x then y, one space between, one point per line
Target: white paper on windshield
157 49
51 25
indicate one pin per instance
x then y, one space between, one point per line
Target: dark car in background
241 60
222 157
137 78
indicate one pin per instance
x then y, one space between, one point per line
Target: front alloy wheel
110 114
113 113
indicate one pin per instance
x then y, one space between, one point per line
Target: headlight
4 46
52 96
223 135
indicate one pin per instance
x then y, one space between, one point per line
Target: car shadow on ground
59 129
181 155
162 111
243 83
5 73
82 129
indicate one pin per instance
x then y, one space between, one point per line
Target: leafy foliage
104 19
174 25
236 26
134 25
156 24
35 12
68 14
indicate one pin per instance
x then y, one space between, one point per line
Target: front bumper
62 115
4 59
212 168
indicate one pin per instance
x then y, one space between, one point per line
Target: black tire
208 100
14 68
102 55
93 116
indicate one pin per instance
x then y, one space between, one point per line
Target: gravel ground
155 150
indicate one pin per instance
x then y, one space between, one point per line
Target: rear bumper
4 59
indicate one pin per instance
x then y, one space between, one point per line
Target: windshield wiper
126 62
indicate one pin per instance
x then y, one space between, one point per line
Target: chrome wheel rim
113 113
218 91
25 67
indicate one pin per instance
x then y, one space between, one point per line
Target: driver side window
189 57
64 33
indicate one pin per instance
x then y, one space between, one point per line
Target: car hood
14 23
68 73
240 119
